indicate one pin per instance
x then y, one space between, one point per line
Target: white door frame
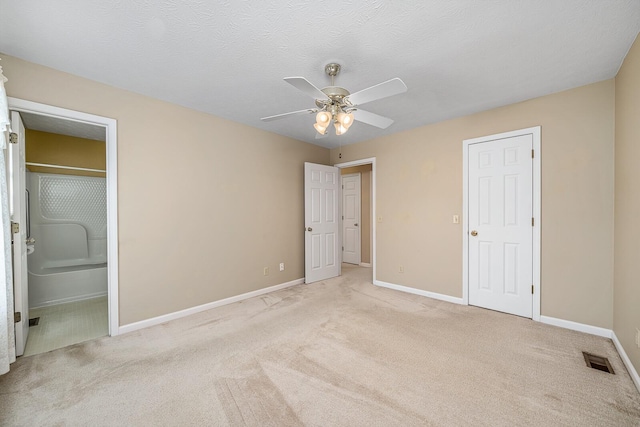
369 161
110 125
535 132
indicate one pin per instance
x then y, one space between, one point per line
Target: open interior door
18 210
322 223
351 219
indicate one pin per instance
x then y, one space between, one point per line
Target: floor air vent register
597 362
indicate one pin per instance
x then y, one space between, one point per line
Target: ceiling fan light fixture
340 129
321 129
345 119
323 119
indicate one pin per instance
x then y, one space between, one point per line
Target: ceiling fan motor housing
336 95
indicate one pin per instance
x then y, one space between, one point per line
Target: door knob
309 229
474 233
355 225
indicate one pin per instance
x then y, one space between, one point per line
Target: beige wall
204 203
419 188
365 208
63 150
189 233
626 305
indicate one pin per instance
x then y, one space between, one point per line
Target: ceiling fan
336 104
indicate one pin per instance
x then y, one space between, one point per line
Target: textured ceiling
63 127
228 58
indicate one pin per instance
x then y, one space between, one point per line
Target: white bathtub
59 285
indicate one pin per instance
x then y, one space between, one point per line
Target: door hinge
343 248
532 154
17 317
532 289
533 222
342 216
343 187
13 138
15 227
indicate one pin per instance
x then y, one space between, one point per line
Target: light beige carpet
336 353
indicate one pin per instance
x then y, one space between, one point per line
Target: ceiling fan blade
305 86
379 91
292 113
372 119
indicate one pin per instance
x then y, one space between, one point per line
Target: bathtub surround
339 352
69 225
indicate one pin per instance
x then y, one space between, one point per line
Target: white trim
575 326
633 373
365 264
111 137
535 132
433 295
199 308
374 218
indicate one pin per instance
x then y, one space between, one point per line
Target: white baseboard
601 332
197 309
574 326
415 291
625 359
365 264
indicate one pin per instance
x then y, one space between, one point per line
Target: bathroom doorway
71 292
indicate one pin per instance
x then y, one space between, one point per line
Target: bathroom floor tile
65 324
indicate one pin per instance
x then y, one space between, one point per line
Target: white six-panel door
322 223
500 228
351 243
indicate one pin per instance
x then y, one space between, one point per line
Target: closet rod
45 165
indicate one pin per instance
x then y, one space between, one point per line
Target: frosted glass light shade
345 119
339 128
323 118
321 129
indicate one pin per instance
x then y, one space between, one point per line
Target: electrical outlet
401 269
266 271
282 266
638 337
